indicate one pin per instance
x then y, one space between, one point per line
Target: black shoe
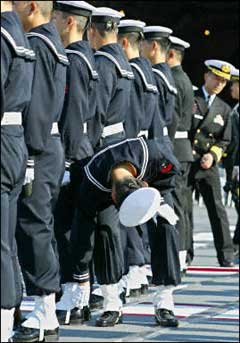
144 289
32 335
95 302
166 318
134 293
18 318
109 318
183 273
226 263
77 316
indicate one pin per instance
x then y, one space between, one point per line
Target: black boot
144 289
109 318
134 293
166 318
32 335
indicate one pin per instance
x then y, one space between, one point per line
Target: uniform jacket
232 154
143 115
80 101
167 90
48 88
114 88
16 65
182 115
148 156
211 129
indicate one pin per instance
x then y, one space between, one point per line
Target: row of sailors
98 104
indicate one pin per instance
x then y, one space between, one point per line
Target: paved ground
207 303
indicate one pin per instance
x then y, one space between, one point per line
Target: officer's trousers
35 232
13 166
180 204
208 183
163 239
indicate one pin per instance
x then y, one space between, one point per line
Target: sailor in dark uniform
72 19
148 161
155 47
231 158
143 119
210 136
16 83
180 131
35 231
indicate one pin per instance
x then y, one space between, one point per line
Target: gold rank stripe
217 151
220 73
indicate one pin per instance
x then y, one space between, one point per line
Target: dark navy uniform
150 159
79 107
182 147
113 96
167 90
37 251
16 84
232 159
211 133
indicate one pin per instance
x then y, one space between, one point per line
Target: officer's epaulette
19 50
62 59
149 87
94 73
164 78
124 73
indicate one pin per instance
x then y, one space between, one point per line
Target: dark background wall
189 20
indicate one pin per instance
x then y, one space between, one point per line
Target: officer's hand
207 161
29 174
66 177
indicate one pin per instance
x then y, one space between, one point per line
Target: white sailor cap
127 26
195 88
179 44
80 8
105 14
220 68
235 74
154 32
139 207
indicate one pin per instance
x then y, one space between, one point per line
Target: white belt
112 130
143 133
12 118
54 130
85 128
165 131
181 135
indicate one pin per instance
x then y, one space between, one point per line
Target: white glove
29 174
168 213
235 174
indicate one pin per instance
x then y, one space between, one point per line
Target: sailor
17 63
72 19
155 47
112 102
210 135
143 161
143 119
35 231
231 158
179 129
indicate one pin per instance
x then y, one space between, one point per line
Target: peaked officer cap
235 74
220 68
80 8
154 32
